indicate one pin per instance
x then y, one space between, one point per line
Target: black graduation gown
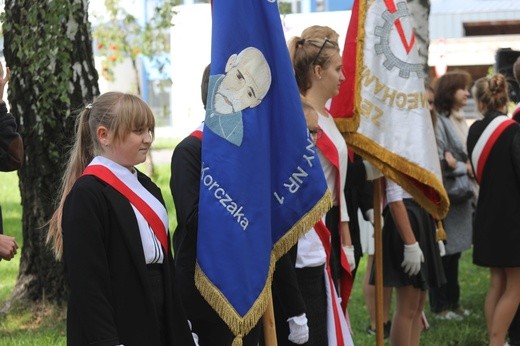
110 300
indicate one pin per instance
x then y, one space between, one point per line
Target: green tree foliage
124 37
284 7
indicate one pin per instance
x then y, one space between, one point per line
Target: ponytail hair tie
301 42
89 106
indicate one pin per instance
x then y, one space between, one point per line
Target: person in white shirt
411 262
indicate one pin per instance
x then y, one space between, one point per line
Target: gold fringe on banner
303 225
402 171
239 325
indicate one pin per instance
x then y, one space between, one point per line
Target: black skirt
423 226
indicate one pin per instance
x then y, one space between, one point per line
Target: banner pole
378 263
268 323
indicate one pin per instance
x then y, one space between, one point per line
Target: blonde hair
315 47
491 92
120 113
320 31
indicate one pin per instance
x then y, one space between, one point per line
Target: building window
320 5
496 27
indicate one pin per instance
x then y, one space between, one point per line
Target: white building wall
190 54
191 51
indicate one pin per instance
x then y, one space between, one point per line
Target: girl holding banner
111 227
318 68
494 150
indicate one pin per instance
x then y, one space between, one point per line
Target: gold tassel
237 341
441 233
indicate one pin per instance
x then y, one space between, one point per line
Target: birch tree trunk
48 47
420 12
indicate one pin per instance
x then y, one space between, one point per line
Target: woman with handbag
451 93
494 147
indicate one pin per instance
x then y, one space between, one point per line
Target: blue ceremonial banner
261 185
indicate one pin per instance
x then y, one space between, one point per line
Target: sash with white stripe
149 206
486 142
198 131
329 150
338 330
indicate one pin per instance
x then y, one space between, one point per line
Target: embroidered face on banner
245 83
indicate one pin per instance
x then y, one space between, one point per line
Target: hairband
89 106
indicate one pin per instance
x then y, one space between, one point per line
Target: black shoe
386 329
371 331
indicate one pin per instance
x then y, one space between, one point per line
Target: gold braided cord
401 170
441 233
239 325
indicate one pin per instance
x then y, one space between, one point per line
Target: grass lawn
44 325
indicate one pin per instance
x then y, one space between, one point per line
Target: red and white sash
338 330
125 183
329 150
198 131
486 142
515 115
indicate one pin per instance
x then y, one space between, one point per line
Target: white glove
442 248
195 338
413 257
372 172
369 214
349 253
299 330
